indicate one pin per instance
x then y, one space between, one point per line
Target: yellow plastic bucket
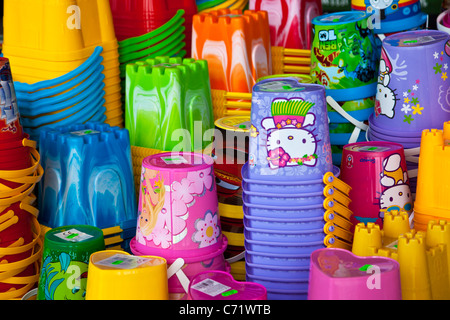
117 275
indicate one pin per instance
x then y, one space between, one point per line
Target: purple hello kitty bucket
413 91
289 135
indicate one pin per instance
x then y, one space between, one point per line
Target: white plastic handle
175 268
236 257
344 113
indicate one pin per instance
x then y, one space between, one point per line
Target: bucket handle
358 124
175 269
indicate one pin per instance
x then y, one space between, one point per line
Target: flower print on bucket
208 230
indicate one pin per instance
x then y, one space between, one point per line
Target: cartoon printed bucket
377 173
289 135
409 98
178 206
231 141
65 261
10 126
392 15
338 274
117 275
344 56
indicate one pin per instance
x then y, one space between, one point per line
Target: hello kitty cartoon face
288 142
397 196
385 99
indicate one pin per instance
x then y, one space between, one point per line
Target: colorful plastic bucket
377 174
344 57
338 274
117 275
65 261
289 137
409 99
178 206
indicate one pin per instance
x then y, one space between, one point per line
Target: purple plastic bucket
277 259
289 137
284 236
291 248
286 187
413 84
406 145
287 294
288 212
279 283
283 200
280 272
283 223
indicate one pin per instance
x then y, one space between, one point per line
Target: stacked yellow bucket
47 39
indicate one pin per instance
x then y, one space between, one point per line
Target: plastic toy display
224 150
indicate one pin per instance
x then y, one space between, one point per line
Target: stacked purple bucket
283 189
413 91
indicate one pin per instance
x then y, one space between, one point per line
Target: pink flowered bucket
178 207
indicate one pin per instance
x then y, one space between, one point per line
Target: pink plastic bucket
338 274
178 206
378 175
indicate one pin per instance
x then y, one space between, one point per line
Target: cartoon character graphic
385 97
397 194
381 8
64 279
153 197
288 142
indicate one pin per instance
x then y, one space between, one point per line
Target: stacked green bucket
169 105
167 40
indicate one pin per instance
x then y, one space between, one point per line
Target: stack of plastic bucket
182 118
230 154
178 215
167 40
88 180
392 17
134 18
76 97
284 193
20 170
409 99
344 59
44 47
290 21
236 45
